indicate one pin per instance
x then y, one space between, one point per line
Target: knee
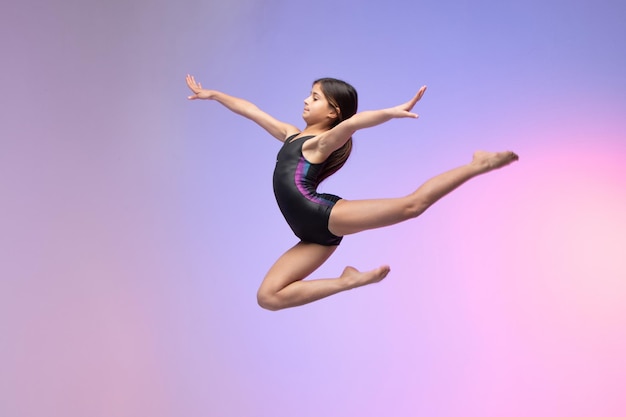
268 300
415 207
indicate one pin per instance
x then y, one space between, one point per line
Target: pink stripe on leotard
301 172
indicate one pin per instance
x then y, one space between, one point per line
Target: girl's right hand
198 91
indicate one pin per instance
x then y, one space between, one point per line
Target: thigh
355 216
296 264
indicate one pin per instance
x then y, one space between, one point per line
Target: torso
296 179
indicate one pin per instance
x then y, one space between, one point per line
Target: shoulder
336 137
289 132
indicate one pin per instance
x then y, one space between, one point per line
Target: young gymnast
321 220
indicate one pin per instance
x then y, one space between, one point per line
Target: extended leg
284 287
349 217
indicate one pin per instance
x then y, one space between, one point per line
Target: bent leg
283 286
349 217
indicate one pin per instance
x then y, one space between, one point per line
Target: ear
334 112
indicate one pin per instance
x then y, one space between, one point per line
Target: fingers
411 103
191 83
419 94
194 86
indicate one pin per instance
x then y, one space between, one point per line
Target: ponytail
336 160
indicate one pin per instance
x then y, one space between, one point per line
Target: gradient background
136 225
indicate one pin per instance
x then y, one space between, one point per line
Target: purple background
136 225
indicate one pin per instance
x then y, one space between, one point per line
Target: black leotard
295 187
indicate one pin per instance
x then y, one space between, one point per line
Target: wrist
213 95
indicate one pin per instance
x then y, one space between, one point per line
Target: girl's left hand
196 88
404 110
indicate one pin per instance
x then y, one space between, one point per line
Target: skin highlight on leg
348 217
284 284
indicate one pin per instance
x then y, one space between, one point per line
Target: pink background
136 225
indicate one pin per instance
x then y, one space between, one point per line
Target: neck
315 129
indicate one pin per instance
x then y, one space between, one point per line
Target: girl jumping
309 156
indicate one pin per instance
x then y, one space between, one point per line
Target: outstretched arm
339 135
243 108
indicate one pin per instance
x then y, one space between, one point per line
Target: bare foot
356 278
493 160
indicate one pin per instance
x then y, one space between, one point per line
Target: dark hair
344 99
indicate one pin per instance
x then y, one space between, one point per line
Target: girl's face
317 109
